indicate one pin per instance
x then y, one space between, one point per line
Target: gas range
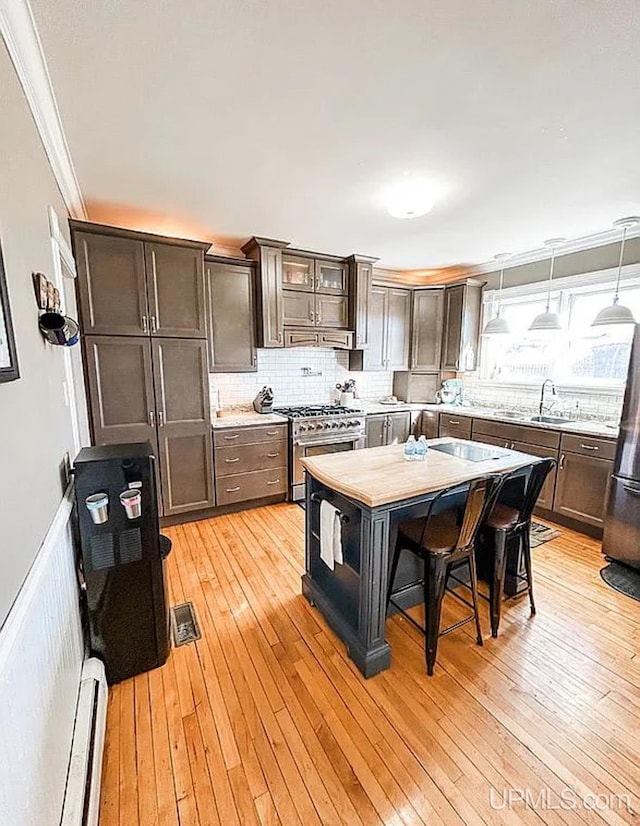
318 429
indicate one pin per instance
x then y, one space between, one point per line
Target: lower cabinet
581 487
250 463
459 427
388 429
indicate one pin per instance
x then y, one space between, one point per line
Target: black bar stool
505 524
444 540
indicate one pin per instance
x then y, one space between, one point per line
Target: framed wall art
8 356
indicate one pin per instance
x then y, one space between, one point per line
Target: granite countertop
590 428
372 406
381 475
245 418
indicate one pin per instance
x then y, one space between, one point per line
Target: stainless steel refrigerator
621 539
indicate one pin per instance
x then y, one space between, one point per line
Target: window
579 355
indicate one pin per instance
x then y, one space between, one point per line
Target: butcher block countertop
379 476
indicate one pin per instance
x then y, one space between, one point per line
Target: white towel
330 535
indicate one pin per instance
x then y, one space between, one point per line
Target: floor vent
184 624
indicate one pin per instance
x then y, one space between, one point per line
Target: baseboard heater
82 795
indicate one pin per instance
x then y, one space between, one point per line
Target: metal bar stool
503 525
443 540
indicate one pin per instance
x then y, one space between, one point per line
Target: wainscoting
41 654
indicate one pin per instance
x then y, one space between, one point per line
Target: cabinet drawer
587 446
300 338
452 425
342 339
517 433
245 458
234 436
256 485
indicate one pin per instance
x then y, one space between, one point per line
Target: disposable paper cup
131 501
97 505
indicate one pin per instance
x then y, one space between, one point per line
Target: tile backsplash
283 371
579 404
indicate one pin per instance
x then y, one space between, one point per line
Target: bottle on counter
410 449
421 449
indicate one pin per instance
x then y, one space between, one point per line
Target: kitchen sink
550 419
510 414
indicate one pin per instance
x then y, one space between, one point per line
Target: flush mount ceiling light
409 198
617 313
548 321
498 326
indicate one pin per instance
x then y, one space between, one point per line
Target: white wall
35 424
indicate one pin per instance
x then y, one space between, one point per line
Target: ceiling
284 118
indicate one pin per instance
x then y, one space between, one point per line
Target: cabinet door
332 311
360 290
426 329
120 384
375 355
398 427
298 273
376 431
299 308
331 276
184 424
397 329
545 500
111 285
271 312
581 487
175 282
230 318
452 327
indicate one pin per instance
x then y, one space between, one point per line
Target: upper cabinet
461 326
314 295
426 328
269 297
360 277
230 315
137 284
331 276
388 330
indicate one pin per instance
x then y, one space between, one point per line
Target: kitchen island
374 490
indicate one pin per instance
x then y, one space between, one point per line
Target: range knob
302 428
311 427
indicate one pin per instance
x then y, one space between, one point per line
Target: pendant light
617 313
549 321
498 326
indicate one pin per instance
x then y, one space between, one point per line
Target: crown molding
20 35
580 244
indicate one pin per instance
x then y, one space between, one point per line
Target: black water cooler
122 558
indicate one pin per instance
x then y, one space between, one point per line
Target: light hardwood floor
266 721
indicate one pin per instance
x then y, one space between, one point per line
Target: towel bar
315 497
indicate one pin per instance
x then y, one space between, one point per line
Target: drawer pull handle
233 490
561 465
276 482
273 455
588 447
633 491
232 461
454 421
230 438
272 432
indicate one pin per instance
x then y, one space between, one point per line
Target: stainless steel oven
314 431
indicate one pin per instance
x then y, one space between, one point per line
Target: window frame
565 290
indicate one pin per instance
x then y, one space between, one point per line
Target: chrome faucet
553 393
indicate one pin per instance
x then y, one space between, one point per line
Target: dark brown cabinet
269 300
388 429
453 425
156 390
331 276
299 308
360 276
230 316
389 323
461 326
426 329
584 472
250 463
315 293
137 284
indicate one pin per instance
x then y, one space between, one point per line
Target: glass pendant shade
617 313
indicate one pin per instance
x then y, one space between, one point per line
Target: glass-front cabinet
331 276
297 273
